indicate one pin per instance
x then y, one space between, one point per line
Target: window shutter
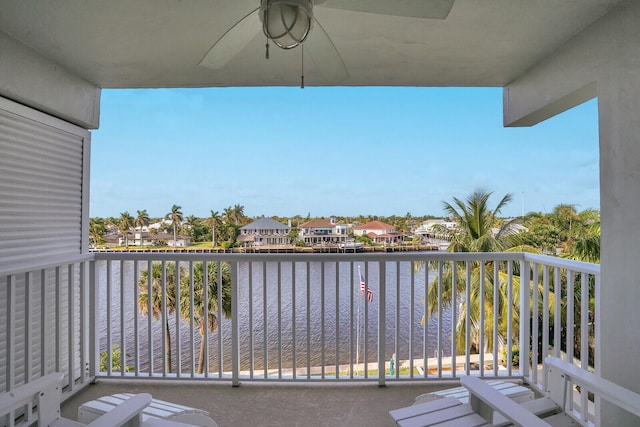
43 220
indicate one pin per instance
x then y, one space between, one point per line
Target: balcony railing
292 317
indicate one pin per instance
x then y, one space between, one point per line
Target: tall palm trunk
174 235
168 349
201 356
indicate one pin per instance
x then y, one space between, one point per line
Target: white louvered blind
43 219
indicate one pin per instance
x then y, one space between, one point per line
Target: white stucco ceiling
159 43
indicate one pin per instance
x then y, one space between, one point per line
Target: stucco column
618 305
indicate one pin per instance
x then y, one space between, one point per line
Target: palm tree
213 304
228 214
124 224
476 232
175 216
213 221
96 231
475 224
141 220
238 214
159 304
192 222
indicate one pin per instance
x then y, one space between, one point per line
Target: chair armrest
484 400
159 422
605 389
124 412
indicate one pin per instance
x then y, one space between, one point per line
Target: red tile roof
318 223
375 225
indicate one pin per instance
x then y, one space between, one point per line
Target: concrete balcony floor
252 404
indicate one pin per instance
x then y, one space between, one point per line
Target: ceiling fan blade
233 41
431 9
325 55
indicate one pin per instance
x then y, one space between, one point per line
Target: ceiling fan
289 23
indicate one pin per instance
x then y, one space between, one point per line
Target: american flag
364 287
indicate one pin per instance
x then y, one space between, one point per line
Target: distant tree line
564 231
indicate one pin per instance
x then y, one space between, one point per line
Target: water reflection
281 318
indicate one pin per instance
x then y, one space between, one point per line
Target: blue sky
333 151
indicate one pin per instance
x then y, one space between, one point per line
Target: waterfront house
379 232
264 231
323 232
57 57
426 228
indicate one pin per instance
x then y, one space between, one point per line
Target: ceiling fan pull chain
266 54
302 66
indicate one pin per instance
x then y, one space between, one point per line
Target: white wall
30 79
603 60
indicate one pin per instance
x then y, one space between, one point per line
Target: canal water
322 308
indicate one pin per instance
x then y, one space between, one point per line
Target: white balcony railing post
382 342
525 325
235 325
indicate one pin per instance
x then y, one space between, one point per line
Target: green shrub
116 358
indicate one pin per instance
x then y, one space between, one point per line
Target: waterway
318 310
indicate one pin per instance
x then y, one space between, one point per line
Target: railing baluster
412 298
123 342
570 323
108 319
11 333
205 319
235 324
192 319
71 299
44 322
509 319
454 318
293 320
496 286
265 331
322 316
481 320
250 315
28 315
467 319
136 331
584 321
352 322
382 315
219 266
545 312
524 348
439 346
425 330
337 320
365 335
396 344
308 274
165 321
535 330
279 269
178 341
150 315
557 318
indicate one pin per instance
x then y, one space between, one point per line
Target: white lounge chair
489 407
90 411
39 402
